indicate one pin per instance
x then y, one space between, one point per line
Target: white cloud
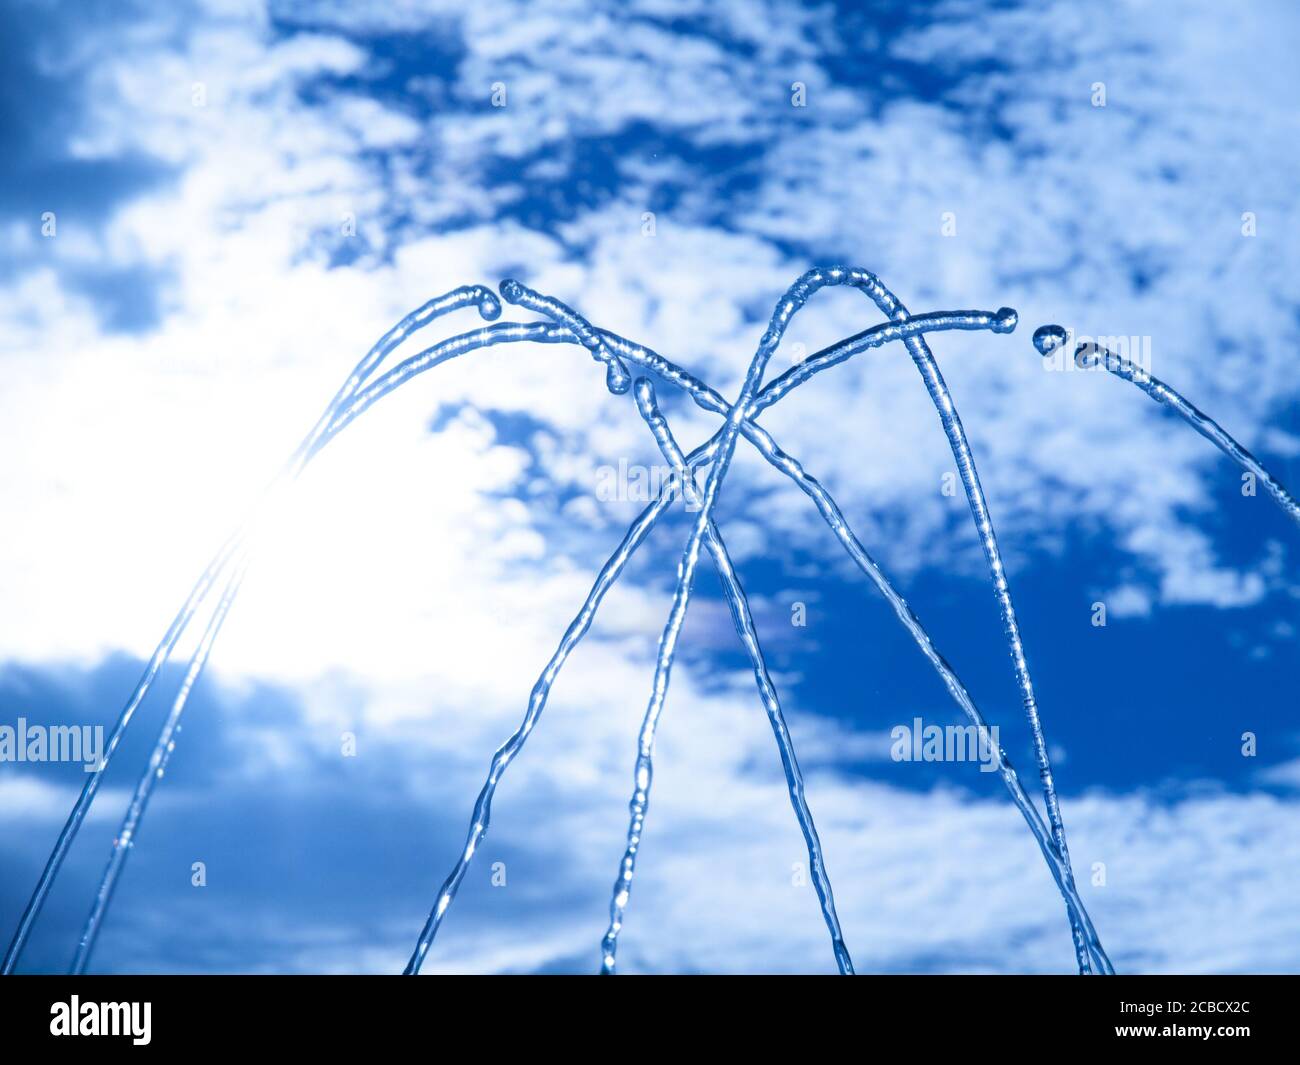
1127 601
254 335
26 799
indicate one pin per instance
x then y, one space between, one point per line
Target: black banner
343 1014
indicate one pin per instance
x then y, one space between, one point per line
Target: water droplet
617 380
1088 355
1047 338
489 307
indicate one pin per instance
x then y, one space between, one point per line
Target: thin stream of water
743 619
359 392
1048 338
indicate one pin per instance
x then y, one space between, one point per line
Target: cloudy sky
209 210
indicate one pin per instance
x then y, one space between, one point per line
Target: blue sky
246 195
